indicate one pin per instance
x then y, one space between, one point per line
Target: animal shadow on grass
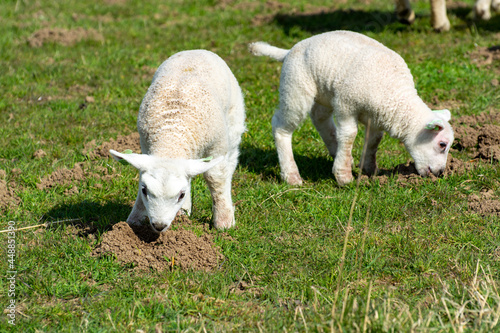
492 24
340 19
88 216
264 161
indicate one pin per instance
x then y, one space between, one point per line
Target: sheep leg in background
322 119
439 20
482 8
404 12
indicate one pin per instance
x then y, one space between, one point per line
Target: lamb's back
183 114
358 72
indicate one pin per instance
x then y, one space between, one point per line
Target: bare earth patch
63 36
485 203
8 197
65 176
480 135
485 56
144 249
121 143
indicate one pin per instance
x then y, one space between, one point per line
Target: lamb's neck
408 119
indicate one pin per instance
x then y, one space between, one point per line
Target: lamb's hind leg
218 180
323 121
346 134
285 121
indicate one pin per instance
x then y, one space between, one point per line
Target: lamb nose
158 226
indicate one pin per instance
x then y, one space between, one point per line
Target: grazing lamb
439 19
193 109
354 78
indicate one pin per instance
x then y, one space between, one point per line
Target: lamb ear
435 125
444 114
138 161
196 167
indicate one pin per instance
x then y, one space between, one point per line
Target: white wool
357 79
193 109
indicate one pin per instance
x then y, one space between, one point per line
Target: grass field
379 257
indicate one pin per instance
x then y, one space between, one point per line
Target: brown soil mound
484 203
480 135
66 176
63 36
131 141
144 249
8 197
484 56
480 119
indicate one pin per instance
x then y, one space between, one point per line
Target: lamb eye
181 196
144 190
442 145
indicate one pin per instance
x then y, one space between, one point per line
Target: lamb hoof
343 179
406 16
445 26
293 179
222 224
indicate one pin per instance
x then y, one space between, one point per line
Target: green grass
413 256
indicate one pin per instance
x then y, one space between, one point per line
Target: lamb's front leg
346 134
219 183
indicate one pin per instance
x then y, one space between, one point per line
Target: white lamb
193 109
353 78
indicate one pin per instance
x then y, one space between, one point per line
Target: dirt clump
79 172
485 203
122 142
62 176
144 249
485 56
480 135
63 36
40 153
8 197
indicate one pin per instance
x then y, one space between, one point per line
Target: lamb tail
264 49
